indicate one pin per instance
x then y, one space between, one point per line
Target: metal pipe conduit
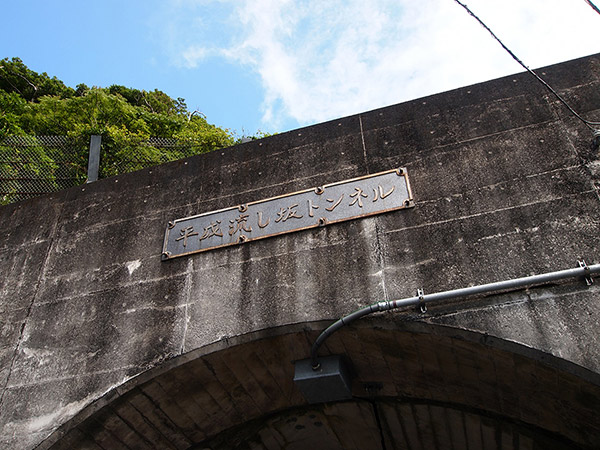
584 271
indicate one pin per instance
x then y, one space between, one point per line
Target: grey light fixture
329 382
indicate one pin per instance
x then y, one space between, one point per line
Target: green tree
16 77
36 104
33 104
12 107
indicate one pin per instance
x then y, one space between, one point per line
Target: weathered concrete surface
506 184
433 388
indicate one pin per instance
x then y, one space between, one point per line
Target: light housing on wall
331 381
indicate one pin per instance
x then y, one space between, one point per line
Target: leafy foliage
33 104
15 76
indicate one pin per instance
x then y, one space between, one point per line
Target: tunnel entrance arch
415 386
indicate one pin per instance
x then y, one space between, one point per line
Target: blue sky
276 65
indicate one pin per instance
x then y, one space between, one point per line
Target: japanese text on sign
336 202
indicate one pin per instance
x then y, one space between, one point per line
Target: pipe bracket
588 278
383 306
422 306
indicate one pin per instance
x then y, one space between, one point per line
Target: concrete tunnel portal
413 387
125 324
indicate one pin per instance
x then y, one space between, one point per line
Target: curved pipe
507 285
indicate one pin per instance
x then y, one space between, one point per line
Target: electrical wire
588 123
594 7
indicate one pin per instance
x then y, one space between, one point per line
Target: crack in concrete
42 272
155 308
484 213
490 187
434 151
362 136
379 248
74 376
187 293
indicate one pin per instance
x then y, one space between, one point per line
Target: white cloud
193 55
319 60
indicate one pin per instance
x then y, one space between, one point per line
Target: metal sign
311 208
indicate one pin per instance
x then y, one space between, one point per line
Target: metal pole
507 285
94 158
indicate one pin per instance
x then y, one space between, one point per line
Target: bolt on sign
311 208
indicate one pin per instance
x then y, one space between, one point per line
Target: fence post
94 158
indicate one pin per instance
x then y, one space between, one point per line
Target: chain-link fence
36 165
135 154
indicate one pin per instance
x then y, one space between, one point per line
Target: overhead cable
594 7
556 94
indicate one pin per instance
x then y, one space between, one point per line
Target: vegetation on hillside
37 104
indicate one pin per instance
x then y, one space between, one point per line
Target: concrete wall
506 184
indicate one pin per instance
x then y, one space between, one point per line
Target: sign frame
242 229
